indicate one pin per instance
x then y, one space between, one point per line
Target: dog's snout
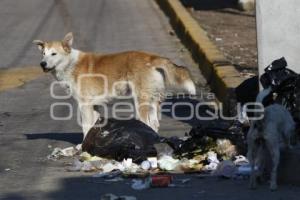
43 64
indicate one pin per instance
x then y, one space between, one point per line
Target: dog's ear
68 39
39 43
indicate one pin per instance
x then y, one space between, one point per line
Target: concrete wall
278 26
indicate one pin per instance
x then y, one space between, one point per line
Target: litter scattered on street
212 150
138 184
226 169
152 181
146 165
114 197
212 160
58 153
168 163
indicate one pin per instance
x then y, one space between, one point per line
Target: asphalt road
28 134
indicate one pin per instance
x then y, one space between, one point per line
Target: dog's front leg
287 138
251 155
148 113
88 117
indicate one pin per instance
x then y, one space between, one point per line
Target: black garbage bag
285 83
247 91
203 138
277 74
120 139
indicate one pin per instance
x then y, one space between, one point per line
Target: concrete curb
222 77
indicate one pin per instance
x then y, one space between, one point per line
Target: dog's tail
260 99
177 77
263 94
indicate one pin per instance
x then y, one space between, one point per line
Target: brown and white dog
96 78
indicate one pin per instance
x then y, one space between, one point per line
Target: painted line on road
16 77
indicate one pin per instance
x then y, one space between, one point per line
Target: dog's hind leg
154 115
287 137
261 161
274 150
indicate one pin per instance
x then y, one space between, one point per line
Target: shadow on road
210 4
13 197
74 138
87 187
186 110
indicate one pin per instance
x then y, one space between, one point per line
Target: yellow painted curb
15 77
220 74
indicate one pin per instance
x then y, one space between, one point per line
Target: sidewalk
231 30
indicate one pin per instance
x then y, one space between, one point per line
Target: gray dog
264 138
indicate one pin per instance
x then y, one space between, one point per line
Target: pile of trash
153 167
130 149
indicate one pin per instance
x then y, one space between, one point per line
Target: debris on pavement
116 179
186 180
84 166
226 169
108 175
146 165
225 148
153 162
203 150
160 180
130 149
227 139
241 160
58 153
152 181
138 184
114 197
212 160
168 163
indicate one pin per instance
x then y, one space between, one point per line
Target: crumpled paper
58 153
168 163
212 160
